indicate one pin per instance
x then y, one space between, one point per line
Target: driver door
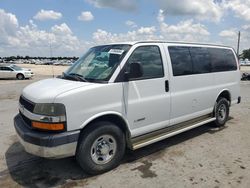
147 97
9 72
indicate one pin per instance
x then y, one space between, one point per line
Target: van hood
45 91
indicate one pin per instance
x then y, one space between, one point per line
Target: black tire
221 112
89 155
20 76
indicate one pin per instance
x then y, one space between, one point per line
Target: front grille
26 120
26 104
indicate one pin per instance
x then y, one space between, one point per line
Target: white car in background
14 71
247 63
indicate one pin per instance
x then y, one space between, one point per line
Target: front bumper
28 75
44 144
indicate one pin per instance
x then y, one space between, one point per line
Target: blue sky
28 27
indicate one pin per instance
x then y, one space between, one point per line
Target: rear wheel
20 76
221 112
100 148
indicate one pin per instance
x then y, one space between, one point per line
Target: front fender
102 114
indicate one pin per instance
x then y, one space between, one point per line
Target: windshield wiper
74 76
78 76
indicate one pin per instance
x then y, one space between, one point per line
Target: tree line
245 54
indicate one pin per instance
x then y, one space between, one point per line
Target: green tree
246 54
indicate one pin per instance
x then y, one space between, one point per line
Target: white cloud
186 30
230 37
62 29
131 24
201 9
183 31
124 5
8 27
246 27
143 33
230 33
32 41
47 15
86 16
35 41
245 37
147 30
64 39
240 7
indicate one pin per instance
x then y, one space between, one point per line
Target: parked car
127 95
57 63
14 71
48 63
245 76
247 63
242 62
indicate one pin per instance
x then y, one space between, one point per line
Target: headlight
51 116
53 109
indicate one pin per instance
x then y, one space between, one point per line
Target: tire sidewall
20 76
83 153
221 101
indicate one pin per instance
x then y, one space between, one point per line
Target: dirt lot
203 157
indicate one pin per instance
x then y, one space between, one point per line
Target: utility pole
238 45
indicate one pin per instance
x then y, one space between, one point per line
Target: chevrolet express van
127 95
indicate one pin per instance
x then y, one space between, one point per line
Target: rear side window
5 69
181 60
150 59
222 60
201 60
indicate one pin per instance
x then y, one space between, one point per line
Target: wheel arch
225 93
113 117
19 73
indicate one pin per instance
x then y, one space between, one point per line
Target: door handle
166 86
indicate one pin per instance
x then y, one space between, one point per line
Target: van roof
172 42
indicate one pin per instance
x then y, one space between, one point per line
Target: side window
222 60
201 60
6 69
150 59
230 60
181 60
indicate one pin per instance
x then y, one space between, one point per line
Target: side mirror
136 71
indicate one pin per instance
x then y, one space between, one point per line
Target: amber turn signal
48 126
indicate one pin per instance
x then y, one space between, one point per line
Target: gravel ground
202 157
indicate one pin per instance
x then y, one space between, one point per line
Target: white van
127 95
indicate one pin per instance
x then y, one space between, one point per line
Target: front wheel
221 112
20 76
100 148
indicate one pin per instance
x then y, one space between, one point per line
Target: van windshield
98 64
